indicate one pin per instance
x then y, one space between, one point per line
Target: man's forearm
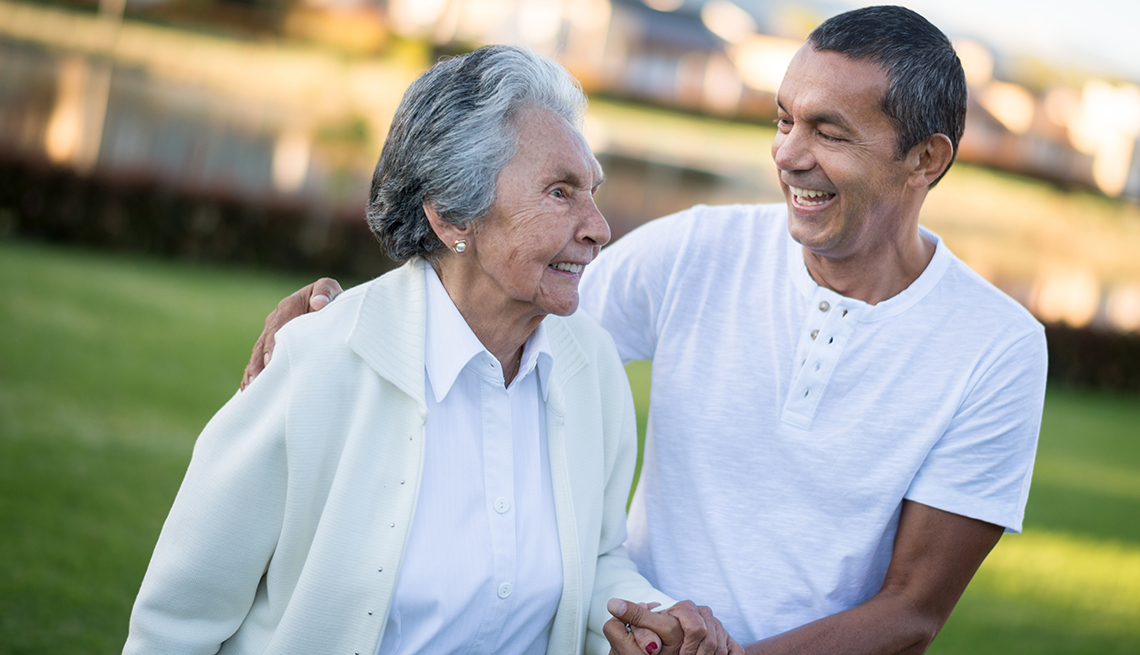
887 623
936 554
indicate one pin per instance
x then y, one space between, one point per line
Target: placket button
505 590
502 505
814 334
824 306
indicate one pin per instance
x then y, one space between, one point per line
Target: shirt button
502 505
505 590
824 306
814 334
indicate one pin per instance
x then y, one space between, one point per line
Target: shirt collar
891 306
451 345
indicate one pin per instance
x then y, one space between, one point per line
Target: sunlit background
283 106
199 159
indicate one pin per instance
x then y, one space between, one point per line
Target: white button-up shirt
482 572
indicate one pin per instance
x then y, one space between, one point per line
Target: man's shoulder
984 300
704 232
979 317
705 221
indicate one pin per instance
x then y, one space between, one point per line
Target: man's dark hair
926 94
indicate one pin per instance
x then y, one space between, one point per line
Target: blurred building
279 105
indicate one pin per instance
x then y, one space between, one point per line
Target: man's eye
558 193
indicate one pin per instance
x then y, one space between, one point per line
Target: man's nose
790 151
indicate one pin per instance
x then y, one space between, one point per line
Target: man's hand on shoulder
310 298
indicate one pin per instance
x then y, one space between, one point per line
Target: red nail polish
651 648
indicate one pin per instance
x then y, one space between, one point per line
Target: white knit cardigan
290 526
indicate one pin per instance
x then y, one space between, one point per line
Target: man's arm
936 555
307 299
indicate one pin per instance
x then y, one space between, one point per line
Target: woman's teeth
569 268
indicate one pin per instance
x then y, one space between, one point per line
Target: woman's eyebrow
574 178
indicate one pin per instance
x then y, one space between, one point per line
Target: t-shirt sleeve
625 288
982 465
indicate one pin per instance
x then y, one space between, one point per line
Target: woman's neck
503 327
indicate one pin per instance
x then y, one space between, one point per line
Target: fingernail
265 360
651 648
320 297
616 606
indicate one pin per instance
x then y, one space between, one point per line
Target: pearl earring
460 246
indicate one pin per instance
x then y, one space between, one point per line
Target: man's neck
876 275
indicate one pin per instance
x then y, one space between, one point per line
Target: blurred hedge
53 204
1093 358
141 215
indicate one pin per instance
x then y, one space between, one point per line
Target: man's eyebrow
824 117
830 118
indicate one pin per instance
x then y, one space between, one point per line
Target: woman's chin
563 305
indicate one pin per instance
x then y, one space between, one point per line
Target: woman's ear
448 233
934 156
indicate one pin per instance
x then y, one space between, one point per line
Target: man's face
835 150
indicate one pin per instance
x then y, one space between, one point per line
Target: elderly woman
433 464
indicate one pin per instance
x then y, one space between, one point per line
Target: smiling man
843 416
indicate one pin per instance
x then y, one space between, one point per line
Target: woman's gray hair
451 136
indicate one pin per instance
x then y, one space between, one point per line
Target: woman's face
544 227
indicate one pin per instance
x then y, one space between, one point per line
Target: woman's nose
594 225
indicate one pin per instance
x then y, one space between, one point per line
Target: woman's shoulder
579 334
583 327
370 309
328 326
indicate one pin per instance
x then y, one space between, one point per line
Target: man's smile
810 197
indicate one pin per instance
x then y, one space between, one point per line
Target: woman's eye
558 193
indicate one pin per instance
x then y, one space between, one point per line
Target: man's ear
448 233
932 156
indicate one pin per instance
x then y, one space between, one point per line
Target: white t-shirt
787 422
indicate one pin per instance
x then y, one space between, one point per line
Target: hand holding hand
684 629
307 299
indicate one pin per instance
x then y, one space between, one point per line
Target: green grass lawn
110 365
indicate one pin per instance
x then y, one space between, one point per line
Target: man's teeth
805 196
569 268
